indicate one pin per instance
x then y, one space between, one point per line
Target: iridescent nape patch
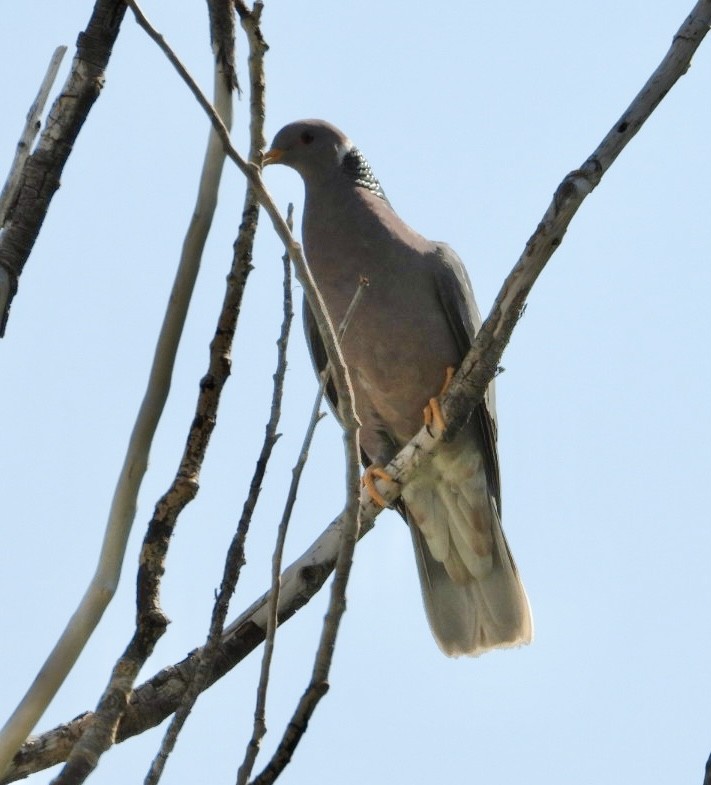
355 165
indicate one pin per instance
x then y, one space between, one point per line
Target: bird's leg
368 481
433 411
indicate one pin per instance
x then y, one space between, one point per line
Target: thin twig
29 132
44 689
259 728
315 418
318 686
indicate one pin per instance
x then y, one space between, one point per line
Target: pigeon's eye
307 137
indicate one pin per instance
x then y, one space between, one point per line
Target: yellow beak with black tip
272 156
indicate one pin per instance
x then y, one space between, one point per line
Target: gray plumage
417 317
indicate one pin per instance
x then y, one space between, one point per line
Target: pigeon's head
318 151
311 147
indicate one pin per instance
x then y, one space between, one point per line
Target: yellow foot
369 482
433 412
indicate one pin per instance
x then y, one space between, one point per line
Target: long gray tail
474 598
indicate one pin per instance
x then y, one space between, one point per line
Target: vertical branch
251 21
222 38
234 560
260 709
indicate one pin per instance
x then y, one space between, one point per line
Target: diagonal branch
480 364
259 726
24 146
43 169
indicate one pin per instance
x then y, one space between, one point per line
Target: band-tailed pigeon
417 318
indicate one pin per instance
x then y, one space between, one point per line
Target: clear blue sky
470 115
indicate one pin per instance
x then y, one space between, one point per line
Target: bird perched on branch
416 320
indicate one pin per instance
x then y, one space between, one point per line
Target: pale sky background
470 114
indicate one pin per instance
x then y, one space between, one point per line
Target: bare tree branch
259 728
29 132
9 195
480 364
150 703
222 38
43 169
318 686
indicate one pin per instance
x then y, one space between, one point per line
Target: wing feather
457 298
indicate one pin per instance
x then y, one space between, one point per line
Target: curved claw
432 413
369 482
